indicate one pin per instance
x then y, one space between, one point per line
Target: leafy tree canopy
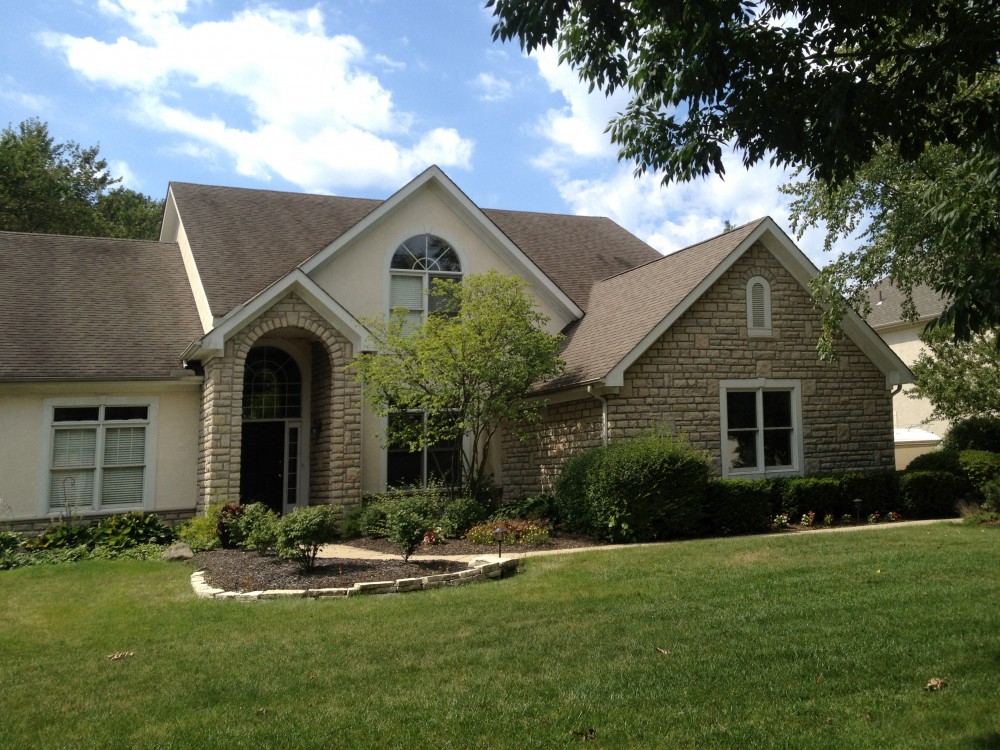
889 109
467 367
801 82
62 188
960 378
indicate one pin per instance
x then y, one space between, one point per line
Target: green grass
792 641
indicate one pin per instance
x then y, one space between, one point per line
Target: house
212 365
914 431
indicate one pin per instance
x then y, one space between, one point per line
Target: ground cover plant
887 637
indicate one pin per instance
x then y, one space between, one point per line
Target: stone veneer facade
846 407
335 448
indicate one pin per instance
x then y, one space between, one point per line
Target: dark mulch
239 570
462 547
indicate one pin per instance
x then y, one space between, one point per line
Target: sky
351 98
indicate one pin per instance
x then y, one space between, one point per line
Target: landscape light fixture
498 538
857 509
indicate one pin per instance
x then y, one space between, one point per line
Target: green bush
572 509
938 460
350 525
201 532
228 528
459 516
877 490
739 506
133 529
407 519
975 433
819 494
10 541
515 531
979 468
257 527
61 536
303 531
928 494
371 518
533 506
647 488
991 495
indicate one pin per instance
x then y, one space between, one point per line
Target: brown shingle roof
92 308
265 234
625 308
244 240
574 251
890 312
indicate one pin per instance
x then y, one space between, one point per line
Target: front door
262 464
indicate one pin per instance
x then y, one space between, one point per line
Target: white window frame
754 330
759 386
152 405
425 275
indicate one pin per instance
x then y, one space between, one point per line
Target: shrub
10 541
572 508
201 532
979 468
537 506
939 460
459 516
991 495
877 490
819 494
516 531
228 527
928 494
371 518
407 519
133 529
738 506
303 531
647 488
61 536
350 524
974 433
257 527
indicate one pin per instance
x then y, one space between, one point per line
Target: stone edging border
479 570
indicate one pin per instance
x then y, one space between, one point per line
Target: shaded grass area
812 640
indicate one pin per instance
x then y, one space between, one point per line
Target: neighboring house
212 365
914 432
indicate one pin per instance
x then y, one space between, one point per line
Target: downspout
604 414
895 389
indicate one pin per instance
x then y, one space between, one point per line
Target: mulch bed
240 570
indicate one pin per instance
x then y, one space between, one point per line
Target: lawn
807 640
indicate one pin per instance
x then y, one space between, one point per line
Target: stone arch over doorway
333 421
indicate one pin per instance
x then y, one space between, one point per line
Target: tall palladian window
414 267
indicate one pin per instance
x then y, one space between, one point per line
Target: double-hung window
440 462
100 456
761 427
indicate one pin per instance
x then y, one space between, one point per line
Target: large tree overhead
808 83
890 109
62 188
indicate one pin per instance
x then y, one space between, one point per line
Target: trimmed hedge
646 488
975 433
739 506
928 494
978 468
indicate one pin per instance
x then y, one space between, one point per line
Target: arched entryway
272 429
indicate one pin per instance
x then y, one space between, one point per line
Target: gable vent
757 317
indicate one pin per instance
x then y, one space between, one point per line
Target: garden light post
857 509
498 537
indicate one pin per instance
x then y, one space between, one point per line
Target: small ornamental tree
961 378
468 368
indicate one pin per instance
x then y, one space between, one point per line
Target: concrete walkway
347 552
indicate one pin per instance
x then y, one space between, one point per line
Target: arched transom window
272 385
415 265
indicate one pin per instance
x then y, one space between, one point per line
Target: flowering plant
875 517
780 521
808 519
892 516
828 519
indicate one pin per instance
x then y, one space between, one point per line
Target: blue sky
348 97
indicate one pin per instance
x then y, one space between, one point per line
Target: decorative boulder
178 551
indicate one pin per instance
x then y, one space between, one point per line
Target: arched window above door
272 385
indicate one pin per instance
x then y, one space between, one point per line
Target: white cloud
307 108
36 103
668 218
492 89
